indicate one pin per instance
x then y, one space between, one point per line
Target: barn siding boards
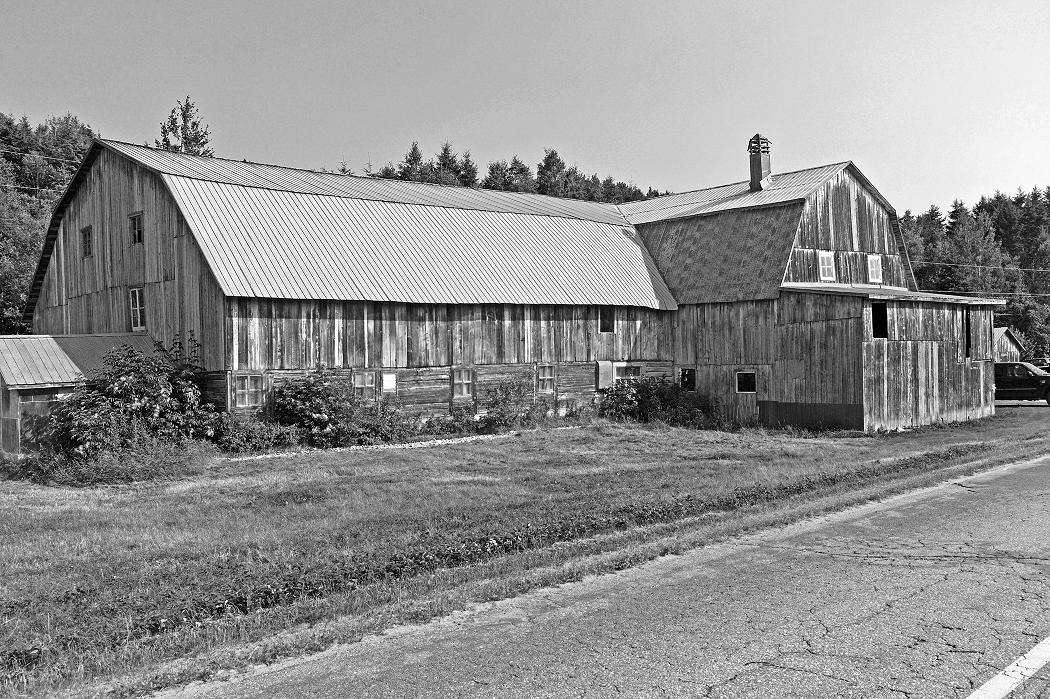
1006 347
83 295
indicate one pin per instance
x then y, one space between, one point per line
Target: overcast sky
932 100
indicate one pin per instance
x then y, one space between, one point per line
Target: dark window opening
135 228
880 324
746 382
85 241
606 319
687 379
966 331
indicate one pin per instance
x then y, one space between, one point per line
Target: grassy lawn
126 588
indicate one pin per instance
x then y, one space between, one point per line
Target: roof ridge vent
761 169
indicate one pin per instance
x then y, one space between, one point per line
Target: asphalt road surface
930 594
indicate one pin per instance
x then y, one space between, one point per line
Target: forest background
998 246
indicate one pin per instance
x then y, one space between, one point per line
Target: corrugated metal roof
310 182
48 360
732 255
889 293
280 244
783 188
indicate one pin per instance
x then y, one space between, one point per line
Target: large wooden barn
788 298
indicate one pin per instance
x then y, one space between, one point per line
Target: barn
1008 346
786 298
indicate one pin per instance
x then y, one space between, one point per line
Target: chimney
758 147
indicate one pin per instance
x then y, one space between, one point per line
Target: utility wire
1005 269
45 157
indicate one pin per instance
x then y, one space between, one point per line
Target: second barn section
785 298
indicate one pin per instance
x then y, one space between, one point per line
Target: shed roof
999 333
28 361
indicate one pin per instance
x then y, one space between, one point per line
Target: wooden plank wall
844 217
1006 349
920 374
90 294
266 334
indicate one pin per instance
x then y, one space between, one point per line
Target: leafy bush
459 421
142 457
512 403
655 400
320 404
132 394
253 434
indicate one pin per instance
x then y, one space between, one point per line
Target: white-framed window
827 265
247 390
545 378
746 382
135 228
606 319
389 383
462 383
874 269
137 303
626 371
365 385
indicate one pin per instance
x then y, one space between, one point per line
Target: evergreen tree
521 179
183 131
956 216
411 166
468 171
550 174
447 161
498 176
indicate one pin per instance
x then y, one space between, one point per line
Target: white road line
1011 678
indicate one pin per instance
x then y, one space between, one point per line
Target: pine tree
183 131
468 171
409 168
550 174
498 177
520 174
447 161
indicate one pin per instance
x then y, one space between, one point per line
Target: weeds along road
929 594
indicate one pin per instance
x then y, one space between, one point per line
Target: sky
932 100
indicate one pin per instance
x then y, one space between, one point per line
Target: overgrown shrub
459 421
655 400
512 402
132 394
253 434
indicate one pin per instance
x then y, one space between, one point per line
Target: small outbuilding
37 370
1008 347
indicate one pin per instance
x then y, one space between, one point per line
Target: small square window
746 382
880 324
135 228
687 379
390 383
247 390
462 383
365 385
606 319
85 241
545 378
874 269
827 266
137 303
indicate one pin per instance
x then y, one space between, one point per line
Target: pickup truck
1021 381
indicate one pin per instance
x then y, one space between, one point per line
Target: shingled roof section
733 255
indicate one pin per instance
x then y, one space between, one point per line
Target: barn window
389 383
247 390
827 266
875 269
966 332
606 319
880 323
85 241
746 382
545 378
462 383
365 385
135 228
626 371
687 379
137 302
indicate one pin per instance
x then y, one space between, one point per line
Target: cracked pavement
928 594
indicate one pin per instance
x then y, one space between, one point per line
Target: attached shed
37 370
1008 346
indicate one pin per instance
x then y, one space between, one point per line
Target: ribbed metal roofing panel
889 293
48 360
783 188
310 182
266 243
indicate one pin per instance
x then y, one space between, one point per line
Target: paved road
927 595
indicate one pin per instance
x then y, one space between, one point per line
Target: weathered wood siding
266 334
90 294
1007 349
844 217
921 374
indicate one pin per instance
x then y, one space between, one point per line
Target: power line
45 157
980 293
1005 269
